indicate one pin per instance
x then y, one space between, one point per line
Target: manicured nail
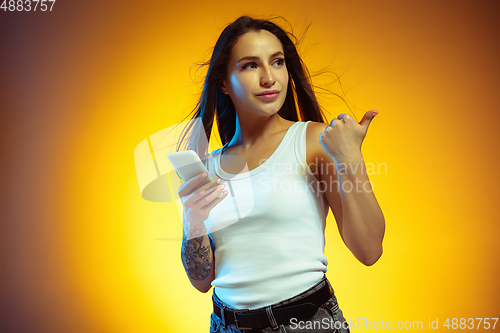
375 113
218 180
205 174
225 192
223 186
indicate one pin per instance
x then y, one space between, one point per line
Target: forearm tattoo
196 258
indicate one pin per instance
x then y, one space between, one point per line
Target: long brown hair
300 102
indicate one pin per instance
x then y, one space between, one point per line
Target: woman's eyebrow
253 58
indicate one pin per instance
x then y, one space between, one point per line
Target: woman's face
257 78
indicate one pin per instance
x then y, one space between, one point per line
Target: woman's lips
268 96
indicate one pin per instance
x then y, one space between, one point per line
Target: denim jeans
328 318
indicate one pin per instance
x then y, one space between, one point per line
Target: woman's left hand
343 138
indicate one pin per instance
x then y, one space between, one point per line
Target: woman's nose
267 78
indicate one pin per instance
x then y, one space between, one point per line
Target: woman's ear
222 86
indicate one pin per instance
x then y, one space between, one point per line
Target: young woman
262 245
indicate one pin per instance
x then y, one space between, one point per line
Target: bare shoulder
315 154
313 147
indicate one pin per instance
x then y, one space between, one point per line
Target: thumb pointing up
367 119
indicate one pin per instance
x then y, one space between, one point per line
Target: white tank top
268 233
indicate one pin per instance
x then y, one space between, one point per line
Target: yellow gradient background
82 85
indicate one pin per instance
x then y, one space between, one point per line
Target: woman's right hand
198 203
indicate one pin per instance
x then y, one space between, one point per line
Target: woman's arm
197 257
196 252
349 194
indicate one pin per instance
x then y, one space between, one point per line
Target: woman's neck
251 131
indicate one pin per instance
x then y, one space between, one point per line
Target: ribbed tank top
268 233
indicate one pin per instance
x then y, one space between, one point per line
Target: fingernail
218 180
205 174
223 186
375 113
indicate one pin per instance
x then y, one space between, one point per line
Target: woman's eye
280 62
249 65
